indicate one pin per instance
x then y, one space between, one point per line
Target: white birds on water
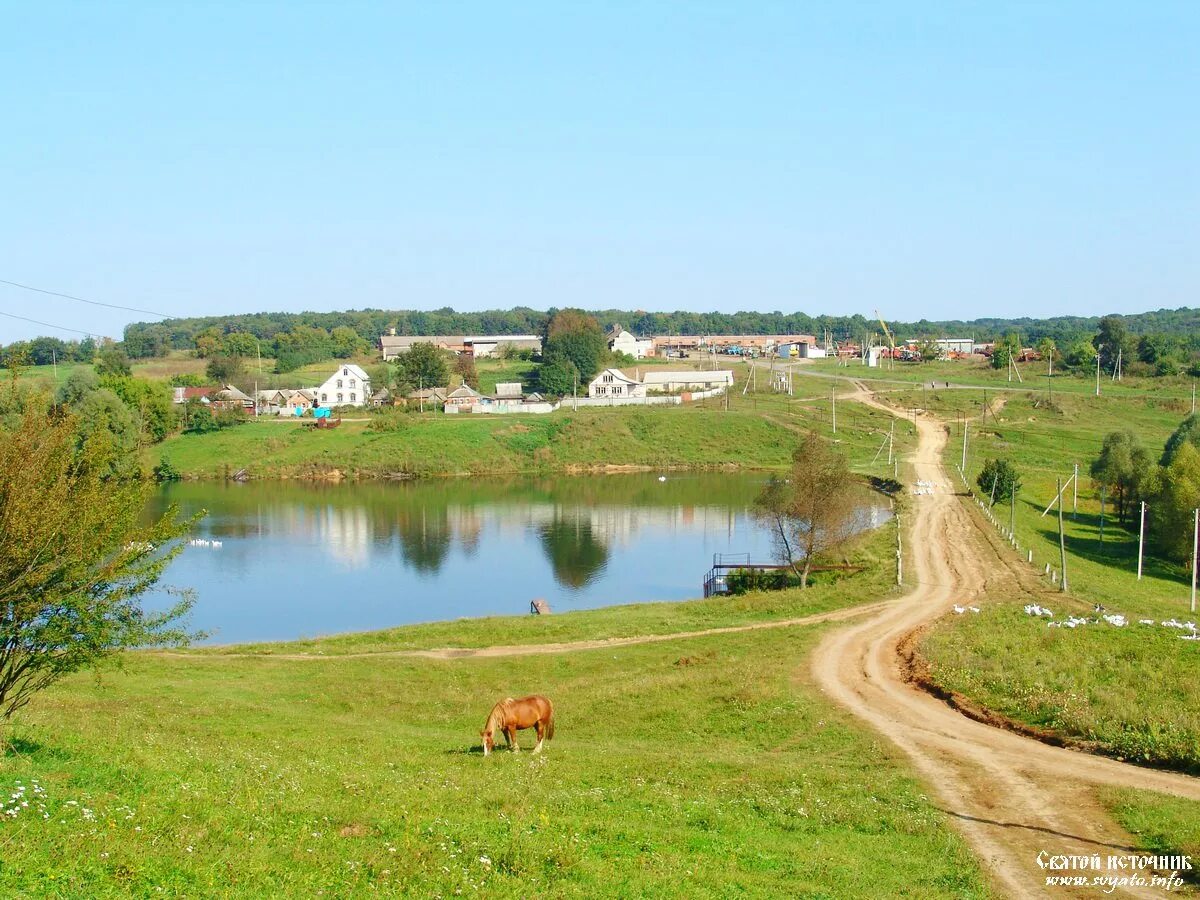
204 542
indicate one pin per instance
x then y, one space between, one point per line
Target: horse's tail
550 723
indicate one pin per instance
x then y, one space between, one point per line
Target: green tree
78 385
422 365
574 335
1047 349
928 349
1123 469
1113 337
151 400
998 480
346 342
75 558
558 377
1176 495
812 511
1080 353
464 367
1005 349
103 412
1188 432
112 361
240 343
225 369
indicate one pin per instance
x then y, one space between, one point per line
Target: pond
286 560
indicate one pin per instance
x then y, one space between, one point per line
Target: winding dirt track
1010 796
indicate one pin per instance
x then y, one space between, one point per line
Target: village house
382 397
621 341
479 346
348 386
434 396
229 397
615 383
184 394
462 398
656 381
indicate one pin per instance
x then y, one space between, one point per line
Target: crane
891 340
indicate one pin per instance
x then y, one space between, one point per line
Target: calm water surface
300 560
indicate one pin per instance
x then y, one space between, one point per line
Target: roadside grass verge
704 767
1160 824
1131 692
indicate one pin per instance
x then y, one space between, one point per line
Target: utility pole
1195 549
963 467
1141 539
1062 545
834 395
1193 398
1075 499
1012 513
54 364
1098 349
891 438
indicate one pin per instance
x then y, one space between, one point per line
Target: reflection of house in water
346 533
467 523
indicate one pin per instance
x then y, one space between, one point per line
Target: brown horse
509 716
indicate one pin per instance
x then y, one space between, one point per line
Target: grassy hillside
757 431
706 767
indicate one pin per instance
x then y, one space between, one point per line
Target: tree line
1129 474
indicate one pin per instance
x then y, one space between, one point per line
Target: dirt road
1012 797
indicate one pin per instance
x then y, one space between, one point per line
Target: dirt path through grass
1012 797
837 615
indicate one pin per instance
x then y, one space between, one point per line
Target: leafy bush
165 471
742 581
389 422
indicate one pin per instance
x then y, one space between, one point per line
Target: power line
27 287
49 325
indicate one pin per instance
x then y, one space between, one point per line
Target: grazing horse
511 715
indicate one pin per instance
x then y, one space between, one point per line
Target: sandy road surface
1011 796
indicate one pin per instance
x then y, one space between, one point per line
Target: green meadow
705 766
758 430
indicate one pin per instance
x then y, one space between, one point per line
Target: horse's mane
495 718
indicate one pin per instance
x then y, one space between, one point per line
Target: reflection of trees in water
425 537
576 554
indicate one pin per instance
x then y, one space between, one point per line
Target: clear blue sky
934 160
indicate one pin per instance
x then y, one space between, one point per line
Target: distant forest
144 339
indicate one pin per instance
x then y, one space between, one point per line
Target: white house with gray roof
349 385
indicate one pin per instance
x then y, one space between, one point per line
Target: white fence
504 409
652 400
